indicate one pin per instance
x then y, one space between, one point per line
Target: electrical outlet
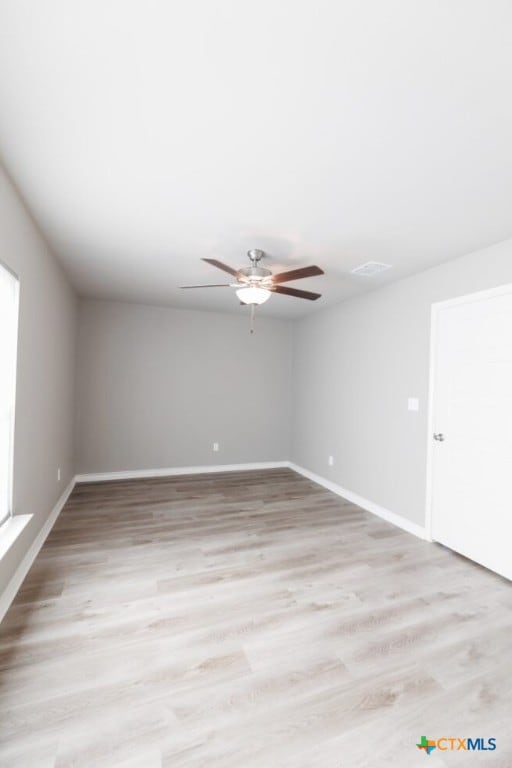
413 404
58 475
330 461
215 447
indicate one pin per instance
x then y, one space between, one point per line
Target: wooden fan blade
297 274
294 292
212 285
224 268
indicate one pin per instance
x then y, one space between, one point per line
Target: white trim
10 530
10 479
468 298
23 568
434 326
133 474
436 310
369 506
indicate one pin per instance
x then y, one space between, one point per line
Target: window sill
11 530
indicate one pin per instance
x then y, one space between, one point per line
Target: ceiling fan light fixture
253 295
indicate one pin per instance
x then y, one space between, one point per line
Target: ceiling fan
255 284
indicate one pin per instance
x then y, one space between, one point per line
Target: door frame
435 312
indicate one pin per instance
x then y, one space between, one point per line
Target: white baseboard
133 474
23 568
369 506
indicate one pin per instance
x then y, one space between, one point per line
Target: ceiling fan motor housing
256 273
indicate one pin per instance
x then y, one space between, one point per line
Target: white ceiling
146 134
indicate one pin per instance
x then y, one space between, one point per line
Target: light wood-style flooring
248 620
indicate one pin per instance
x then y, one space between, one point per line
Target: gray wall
354 368
157 386
45 373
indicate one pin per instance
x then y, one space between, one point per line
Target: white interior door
472 411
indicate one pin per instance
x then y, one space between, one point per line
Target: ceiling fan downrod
255 255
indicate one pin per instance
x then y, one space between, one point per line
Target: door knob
439 437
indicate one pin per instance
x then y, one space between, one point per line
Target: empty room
255 384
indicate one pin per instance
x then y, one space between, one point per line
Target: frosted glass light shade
253 295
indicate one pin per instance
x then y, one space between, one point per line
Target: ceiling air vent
370 268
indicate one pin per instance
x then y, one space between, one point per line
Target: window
8 345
